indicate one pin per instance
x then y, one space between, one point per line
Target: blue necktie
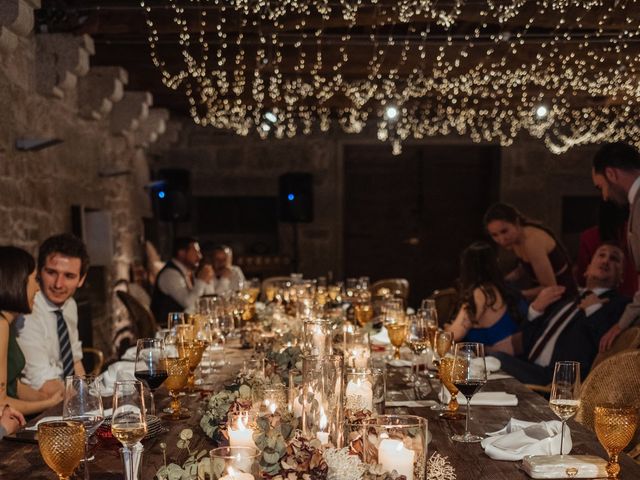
66 355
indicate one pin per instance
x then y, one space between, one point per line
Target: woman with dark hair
491 312
18 287
542 257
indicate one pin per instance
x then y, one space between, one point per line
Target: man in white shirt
178 287
570 328
228 277
616 173
49 336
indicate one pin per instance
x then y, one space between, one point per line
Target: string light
480 69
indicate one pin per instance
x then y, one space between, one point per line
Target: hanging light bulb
391 112
542 111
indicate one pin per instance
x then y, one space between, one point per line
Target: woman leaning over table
18 286
491 312
541 256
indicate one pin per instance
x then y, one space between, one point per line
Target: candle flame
272 408
242 421
323 420
231 472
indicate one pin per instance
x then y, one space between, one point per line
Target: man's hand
608 338
547 296
11 419
52 386
206 273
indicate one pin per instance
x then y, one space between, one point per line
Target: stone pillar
60 59
99 90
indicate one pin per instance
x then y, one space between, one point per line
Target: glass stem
86 457
466 422
562 436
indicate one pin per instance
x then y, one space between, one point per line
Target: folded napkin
519 439
492 363
396 362
130 354
122 370
380 338
561 466
409 403
486 399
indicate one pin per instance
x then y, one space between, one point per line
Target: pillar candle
240 435
359 395
393 455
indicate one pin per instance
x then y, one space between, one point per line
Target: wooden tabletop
23 460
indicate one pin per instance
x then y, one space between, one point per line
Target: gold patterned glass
177 377
62 446
445 372
615 427
397 335
193 351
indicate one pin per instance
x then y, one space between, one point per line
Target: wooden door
411 215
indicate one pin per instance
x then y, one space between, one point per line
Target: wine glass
418 341
469 375
564 400
363 308
615 426
151 365
62 445
129 422
83 403
177 377
445 372
175 318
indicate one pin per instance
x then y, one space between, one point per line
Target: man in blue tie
49 336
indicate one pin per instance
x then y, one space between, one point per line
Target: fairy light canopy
563 71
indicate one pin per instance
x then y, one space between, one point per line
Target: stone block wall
46 90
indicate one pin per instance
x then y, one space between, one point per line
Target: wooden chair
398 287
96 360
144 323
627 340
446 302
614 380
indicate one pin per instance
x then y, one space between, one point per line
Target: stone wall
49 91
532 178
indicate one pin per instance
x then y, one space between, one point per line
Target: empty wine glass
151 367
564 400
469 374
83 403
129 422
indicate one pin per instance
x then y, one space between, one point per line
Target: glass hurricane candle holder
357 349
270 399
365 389
317 337
240 428
397 442
322 387
235 463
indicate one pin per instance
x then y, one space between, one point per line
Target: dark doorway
411 215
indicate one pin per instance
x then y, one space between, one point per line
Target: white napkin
122 370
396 362
519 438
492 363
130 354
409 403
380 338
486 399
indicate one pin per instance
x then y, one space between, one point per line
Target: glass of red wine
469 374
151 366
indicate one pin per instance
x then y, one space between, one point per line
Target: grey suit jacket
632 312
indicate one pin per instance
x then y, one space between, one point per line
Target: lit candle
323 435
393 455
359 395
241 436
360 356
233 475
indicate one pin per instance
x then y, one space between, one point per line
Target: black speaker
171 194
295 198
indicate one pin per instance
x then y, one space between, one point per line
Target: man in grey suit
616 173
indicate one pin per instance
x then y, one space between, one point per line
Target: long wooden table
23 461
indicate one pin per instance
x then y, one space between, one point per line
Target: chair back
398 287
446 301
614 380
144 323
627 340
94 358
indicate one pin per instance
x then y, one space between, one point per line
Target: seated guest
18 287
49 337
542 258
570 328
10 420
491 312
228 277
611 228
177 288
139 286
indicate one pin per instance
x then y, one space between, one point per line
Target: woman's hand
547 296
11 419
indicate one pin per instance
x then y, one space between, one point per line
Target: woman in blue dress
490 312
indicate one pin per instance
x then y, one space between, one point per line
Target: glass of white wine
129 424
565 393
